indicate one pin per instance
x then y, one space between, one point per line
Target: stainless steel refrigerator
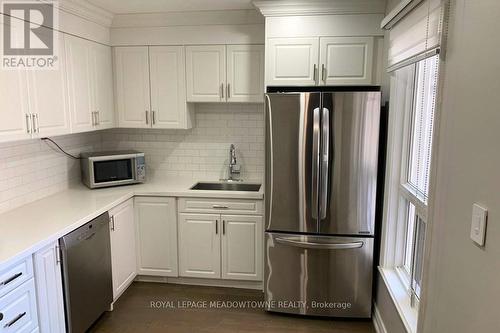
321 185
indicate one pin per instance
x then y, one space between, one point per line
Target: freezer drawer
319 275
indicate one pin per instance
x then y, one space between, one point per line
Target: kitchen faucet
234 167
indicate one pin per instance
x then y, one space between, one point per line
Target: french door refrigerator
320 194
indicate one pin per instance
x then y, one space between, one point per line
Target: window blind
417 35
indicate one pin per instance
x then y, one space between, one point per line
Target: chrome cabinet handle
223 227
319 246
15 320
315 73
28 123
58 255
94 121
323 73
12 278
147 117
228 90
97 118
153 117
219 207
33 124
37 121
216 227
112 220
222 90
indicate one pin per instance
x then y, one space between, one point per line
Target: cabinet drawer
223 206
15 275
18 309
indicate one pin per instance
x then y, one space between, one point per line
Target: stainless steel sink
226 187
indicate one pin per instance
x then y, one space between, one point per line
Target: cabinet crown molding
319 7
85 10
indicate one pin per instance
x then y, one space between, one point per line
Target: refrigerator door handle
271 171
325 152
315 162
320 246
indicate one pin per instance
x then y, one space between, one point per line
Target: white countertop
29 228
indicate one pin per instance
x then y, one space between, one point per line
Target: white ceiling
159 6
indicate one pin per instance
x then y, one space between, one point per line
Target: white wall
30 170
463 288
202 152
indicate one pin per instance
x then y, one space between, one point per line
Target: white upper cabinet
14 108
346 60
123 249
292 61
199 245
168 88
219 73
132 86
319 61
79 74
245 73
150 86
156 235
206 73
103 101
49 96
242 247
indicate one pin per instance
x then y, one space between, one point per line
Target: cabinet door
156 232
168 87
206 73
14 109
292 61
132 86
346 60
79 76
103 103
123 249
242 247
49 95
245 73
49 290
199 245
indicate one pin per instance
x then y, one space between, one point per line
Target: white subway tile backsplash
201 152
31 170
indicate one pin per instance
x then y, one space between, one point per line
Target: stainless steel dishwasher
86 259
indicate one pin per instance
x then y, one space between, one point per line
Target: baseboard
257 285
378 323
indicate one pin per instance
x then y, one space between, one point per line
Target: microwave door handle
315 163
325 160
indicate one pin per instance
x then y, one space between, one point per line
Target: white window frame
398 192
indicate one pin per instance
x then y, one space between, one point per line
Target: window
411 124
416 154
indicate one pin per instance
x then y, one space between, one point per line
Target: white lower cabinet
19 309
242 247
156 235
199 245
49 289
123 249
220 246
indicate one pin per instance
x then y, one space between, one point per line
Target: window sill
401 299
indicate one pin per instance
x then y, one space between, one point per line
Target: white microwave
106 169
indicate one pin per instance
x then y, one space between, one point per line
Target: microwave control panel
141 168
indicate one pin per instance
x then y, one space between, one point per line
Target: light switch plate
478 227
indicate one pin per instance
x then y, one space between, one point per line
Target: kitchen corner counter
27 229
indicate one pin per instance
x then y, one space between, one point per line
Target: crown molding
319 7
84 10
